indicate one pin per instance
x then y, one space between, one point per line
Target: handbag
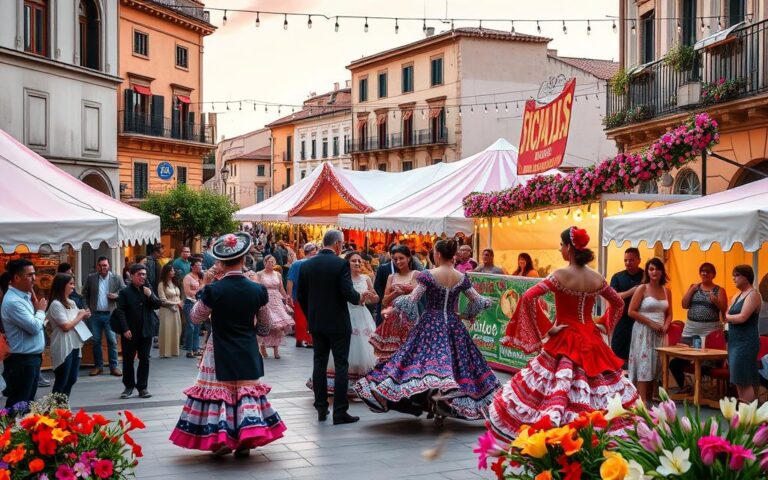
5 349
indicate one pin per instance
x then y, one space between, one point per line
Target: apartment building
245 159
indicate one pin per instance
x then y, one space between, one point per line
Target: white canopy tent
438 208
43 205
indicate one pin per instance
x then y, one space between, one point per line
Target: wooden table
697 356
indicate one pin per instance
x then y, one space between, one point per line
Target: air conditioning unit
689 94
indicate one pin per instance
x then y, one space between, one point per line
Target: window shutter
128 117
158 109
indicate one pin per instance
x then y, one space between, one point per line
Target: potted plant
616 119
680 57
721 90
620 82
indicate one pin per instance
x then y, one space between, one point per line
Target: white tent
43 205
329 191
438 208
739 215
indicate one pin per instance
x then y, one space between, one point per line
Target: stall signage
545 133
505 291
165 171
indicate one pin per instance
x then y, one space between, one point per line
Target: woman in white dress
650 308
361 356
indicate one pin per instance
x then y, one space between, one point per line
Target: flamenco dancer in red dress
576 370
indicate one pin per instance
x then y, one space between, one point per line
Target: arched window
89 34
687 183
648 187
748 176
36 27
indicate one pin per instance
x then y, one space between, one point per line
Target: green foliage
620 82
680 57
616 119
192 213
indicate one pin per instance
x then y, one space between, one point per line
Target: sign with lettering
491 324
545 133
165 171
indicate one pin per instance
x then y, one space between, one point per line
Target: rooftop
602 69
469 32
263 153
328 103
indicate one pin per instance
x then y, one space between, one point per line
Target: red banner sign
545 133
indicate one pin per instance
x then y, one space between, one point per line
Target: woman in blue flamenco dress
438 369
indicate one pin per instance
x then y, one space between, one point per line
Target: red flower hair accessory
579 238
230 241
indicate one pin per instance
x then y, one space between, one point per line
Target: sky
274 65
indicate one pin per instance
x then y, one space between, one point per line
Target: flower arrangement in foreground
622 173
54 443
658 443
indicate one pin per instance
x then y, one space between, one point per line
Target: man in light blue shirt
23 315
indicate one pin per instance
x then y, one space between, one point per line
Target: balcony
162 127
186 7
418 138
735 67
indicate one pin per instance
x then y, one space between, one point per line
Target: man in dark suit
325 287
383 273
135 311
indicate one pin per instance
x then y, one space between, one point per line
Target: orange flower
59 435
556 436
5 438
545 475
5 474
597 419
36 465
571 445
15 456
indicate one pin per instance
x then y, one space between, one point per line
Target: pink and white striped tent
41 204
437 208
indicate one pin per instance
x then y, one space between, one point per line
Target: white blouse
62 343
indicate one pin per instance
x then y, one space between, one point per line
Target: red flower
544 423
15 456
134 422
103 468
47 447
5 438
135 447
570 471
498 468
36 465
82 423
100 420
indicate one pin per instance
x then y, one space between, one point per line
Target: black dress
743 347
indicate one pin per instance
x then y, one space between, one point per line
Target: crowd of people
384 327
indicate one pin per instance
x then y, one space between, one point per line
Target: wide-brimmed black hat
231 246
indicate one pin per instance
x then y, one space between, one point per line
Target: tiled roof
473 32
602 69
319 105
262 153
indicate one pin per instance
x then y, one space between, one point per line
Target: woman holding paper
68 333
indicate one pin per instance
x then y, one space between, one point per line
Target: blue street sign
165 171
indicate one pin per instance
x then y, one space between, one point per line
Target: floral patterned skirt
390 335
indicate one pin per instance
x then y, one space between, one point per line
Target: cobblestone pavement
380 446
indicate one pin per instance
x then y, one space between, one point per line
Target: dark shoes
346 418
242 452
144 393
96 371
127 393
115 372
322 415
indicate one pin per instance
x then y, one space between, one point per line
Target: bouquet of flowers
53 442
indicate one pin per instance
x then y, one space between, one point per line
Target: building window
140 179
335 146
407 166
289 148
181 175
260 193
647 42
89 33
182 57
260 171
363 168
303 174
436 75
382 167
382 132
346 144
438 133
687 183
383 85
736 11
362 132
313 152
648 187
303 150
288 177
689 22
435 161
408 128
408 79
140 43
36 27
362 94
325 148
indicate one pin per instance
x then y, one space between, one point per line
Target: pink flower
649 439
103 468
82 470
65 472
230 241
486 447
738 455
711 446
685 424
761 436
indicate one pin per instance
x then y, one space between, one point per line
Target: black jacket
135 311
325 287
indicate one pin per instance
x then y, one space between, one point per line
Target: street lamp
224 177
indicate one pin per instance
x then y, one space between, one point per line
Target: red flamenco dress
576 370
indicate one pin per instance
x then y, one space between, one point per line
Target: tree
191 212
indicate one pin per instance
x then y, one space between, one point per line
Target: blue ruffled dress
438 369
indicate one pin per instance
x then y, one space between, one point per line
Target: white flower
675 462
748 413
728 407
761 416
636 472
615 408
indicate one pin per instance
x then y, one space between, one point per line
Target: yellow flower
728 407
545 475
614 466
47 421
59 435
537 446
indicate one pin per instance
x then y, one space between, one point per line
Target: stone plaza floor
380 446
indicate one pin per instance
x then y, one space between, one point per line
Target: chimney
430 31
335 86
347 83
552 52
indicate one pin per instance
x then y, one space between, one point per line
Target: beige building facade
246 159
